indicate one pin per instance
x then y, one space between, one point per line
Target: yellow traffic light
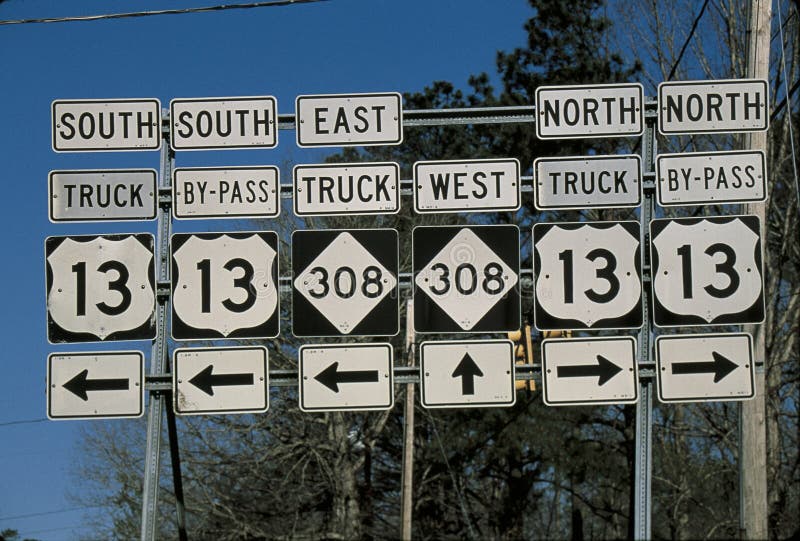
523 354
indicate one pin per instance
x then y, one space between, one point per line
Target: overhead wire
789 110
203 9
688 39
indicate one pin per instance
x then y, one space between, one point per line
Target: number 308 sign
707 271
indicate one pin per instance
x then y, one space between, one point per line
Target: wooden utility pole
753 508
408 433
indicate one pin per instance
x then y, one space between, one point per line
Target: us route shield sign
345 282
465 278
707 271
587 275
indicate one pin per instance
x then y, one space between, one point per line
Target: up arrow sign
331 377
207 380
604 369
467 370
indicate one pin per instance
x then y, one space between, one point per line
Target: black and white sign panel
701 178
588 182
725 106
109 195
580 371
106 125
223 123
345 282
226 192
467 374
220 380
585 111
707 271
100 288
346 377
465 278
587 275
344 189
225 285
95 385
466 186
342 120
705 367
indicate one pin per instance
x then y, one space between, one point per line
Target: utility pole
753 509
408 433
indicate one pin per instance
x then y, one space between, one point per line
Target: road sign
226 192
578 371
588 182
705 367
467 373
465 278
585 111
342 120
725 106
101 384
345 282
104 125
707 271
100 287
346 377
111 195
220 380
466 186
711 177
225 285
343 189
223 123
587 275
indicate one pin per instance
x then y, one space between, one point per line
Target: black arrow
331 377
467 370
206 381
604 369
721 366
80 384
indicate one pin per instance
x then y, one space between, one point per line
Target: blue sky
339 46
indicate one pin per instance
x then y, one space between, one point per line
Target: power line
223 7
45 513
688 39
23 422
789 114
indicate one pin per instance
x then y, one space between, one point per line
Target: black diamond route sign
345 282
466 278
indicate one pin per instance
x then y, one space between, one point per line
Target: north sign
587 182
346 377
225 285
345 282
95 385
725 106
100 288
585 111
342 120
587 275
707 271
226 192
109 195
466 186
467 373
717 178
465 278
579 371
705 367
223 123
345 189
106 125
220 380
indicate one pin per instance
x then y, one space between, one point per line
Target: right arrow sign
589 371
705 367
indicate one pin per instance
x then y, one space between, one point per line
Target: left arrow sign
80 384
207 380
331 377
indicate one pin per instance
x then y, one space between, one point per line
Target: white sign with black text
226 192
342 120
587 182
220 123
701 178
466 186
107 195
344 189
106 125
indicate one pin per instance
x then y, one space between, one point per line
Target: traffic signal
523 354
